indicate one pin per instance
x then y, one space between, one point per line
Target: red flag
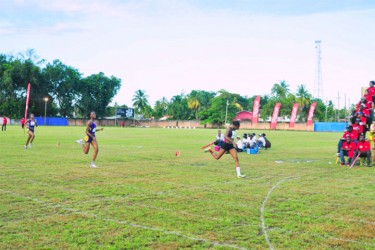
275 115
293 116
27 100
256 109
311 114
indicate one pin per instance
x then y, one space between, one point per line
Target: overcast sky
166 47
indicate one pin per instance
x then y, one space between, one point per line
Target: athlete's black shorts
227 146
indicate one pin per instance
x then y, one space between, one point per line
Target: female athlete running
31 124
228 146
90 139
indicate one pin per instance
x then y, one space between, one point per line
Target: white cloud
165 47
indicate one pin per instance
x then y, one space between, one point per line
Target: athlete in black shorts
228 146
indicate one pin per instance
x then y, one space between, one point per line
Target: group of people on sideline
248 141
353 143
6 121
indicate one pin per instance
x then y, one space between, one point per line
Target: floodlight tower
318 88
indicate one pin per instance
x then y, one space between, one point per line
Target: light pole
45 99
226 113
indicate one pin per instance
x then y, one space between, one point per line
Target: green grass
144 197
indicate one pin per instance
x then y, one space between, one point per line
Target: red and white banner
27 100
256 109
311 114
275 115
293 116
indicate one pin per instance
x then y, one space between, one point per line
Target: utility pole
318 88
45 99
338 106
346 111
115 114
226 113
326 110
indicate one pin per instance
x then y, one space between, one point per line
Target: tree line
69 93
210 107
73 95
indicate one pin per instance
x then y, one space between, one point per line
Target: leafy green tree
15 78
65 88
217 111
96 92
178 107
203 98
63 82
267 109
319 114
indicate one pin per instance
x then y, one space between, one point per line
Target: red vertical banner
256 108
275 115
311 114
293 116
27 100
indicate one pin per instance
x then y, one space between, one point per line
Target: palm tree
193 104
237 104
164 104
280 90
140 101
303 97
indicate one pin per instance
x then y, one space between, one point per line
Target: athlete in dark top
228 146
31 124
90 139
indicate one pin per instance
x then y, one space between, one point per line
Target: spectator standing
5 122
23 121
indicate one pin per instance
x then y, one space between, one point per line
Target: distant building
244 115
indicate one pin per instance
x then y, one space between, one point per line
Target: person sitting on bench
363 149
348 148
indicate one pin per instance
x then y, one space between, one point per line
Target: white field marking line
146 206
59 187
325 237
264 229
354 205
35 218
328 217
169 192
122 222
147 195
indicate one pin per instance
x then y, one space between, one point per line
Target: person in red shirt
366 99
360 112
348 148
353 134
5 122
358 126
363 149
371 90
23 121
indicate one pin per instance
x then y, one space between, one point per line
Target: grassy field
144 197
